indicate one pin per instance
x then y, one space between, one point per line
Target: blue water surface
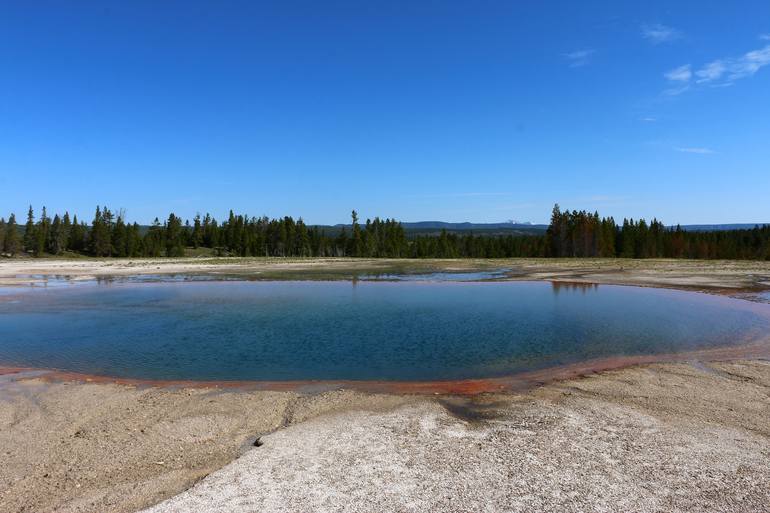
306 330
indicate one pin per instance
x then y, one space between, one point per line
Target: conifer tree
341 244
153 241
56 237
11 244
557 232
197 232
356 240
133 241
99 241
173 237
66 227
42 235
119 238
77 236
30 238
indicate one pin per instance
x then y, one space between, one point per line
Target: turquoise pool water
364 330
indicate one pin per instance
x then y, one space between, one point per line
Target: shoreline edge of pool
514 383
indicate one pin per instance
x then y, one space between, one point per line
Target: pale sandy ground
664 437
660 438
86 447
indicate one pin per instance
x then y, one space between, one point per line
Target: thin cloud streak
515 206
720 72
602 199
461 195
711 71
579 58
675 91
750 63
680 74
658 33
699 151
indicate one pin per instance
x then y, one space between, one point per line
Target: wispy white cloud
711 71
765 37
515 206
718 73
649 119
749 63
598 201
579 58
731 69
461 195
675 91
680 74
602 198
474 194
699 151
658 33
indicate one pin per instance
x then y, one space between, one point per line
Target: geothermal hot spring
399 329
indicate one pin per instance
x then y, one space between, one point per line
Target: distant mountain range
433 227
719 227
423 225
489 229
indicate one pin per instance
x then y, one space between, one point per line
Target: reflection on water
47 280
557 286
440 276
405 330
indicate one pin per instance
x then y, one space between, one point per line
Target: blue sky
436 110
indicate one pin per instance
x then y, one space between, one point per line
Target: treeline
110 235
570 234
582 234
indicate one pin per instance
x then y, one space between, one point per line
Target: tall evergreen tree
356 242
42 233
56 239
119 238
99 236
11 244
174 237
133 241
197 232
66 227
30 238
77 236
153 241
